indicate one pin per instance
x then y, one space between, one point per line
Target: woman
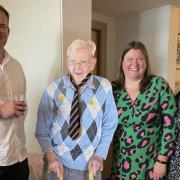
174 167
146 107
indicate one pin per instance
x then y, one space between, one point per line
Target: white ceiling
116 7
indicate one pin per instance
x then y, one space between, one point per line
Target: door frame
101 28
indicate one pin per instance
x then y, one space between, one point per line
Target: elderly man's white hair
78 44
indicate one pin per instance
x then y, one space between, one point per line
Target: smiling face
4 30
134 65
81 63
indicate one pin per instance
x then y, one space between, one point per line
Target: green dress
146 128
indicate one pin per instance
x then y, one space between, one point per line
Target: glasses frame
3 28
81 63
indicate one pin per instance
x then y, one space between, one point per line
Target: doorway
99 36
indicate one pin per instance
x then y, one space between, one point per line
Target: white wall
76 22
35 41
152 27
111 44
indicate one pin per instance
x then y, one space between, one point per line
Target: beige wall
179 21
111 44
172 46
177 88
36 42
76 22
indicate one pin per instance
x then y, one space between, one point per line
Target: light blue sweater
98 121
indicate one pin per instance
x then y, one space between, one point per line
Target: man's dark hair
5 11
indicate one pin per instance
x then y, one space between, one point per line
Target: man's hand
12 109
54 164
96 163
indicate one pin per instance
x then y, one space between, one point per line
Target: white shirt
12 135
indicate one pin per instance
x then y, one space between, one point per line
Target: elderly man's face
81 64
4 30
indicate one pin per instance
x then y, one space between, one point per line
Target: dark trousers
17 171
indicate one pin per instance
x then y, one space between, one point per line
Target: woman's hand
54 164
159 170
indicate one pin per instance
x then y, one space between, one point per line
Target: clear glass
18 97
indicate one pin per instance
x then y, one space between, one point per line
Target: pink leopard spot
126 165
164 105
167 121
142 134
144 143
137 128
154 102
150 116
122 135
123 150
133 176
137 112
151 147
120 111
144 166
129 140
168 138
150 130
146 106
151 174
171 145
132 151
170 152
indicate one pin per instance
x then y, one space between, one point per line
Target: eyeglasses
3 28
81 63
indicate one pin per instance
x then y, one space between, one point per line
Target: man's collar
67 83
6 58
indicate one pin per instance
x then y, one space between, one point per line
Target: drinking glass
19 97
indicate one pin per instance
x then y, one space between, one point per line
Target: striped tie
74 126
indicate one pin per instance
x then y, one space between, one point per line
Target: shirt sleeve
44 118
168 110
110 121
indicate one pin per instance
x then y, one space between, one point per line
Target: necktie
74 126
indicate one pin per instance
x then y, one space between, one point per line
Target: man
77 118
13 155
